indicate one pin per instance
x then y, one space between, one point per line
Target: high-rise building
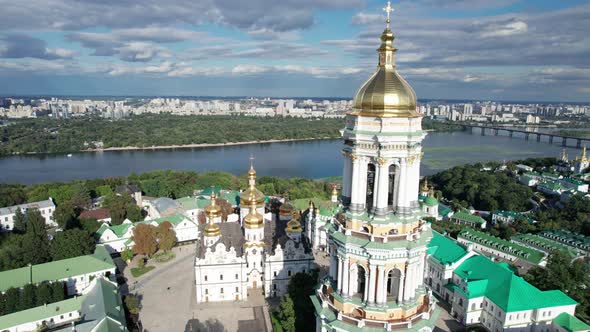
378 241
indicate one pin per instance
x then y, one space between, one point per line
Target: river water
310 159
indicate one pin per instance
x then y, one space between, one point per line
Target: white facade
7 214
284 263
221 276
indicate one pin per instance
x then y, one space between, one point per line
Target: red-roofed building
102 215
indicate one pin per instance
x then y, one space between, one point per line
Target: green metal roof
444 210
570 323
544 243
40 313
445 250
504 288
431 201
188 203
174 219
464 216
100 260
517 250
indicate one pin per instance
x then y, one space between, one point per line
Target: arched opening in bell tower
391 188
370 186
393 282
361 278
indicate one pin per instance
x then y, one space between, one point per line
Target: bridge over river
566 141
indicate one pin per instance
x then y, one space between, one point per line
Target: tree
90 225
127 255
286 314
20 226
104 190
44 295
301 287
166 236
145 241
133 304
58 291
35 243
65 215
71 243
560 273
11 300
28 297
122 207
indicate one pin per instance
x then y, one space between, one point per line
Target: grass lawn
163 257
137 271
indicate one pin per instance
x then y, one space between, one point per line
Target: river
309 159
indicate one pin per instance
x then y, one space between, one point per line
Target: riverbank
206 145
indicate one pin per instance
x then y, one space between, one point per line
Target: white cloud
508 29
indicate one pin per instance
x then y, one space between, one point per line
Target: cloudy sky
530 50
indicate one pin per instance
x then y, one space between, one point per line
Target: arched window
393 284
391 188
361 276
370 186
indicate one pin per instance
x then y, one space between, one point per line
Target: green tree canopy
71 243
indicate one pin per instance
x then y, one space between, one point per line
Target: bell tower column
382 187
358 186
346 178
402 206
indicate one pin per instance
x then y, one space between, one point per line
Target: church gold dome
213 210
251 196
253 219
386 94
294 226
286 209
212 229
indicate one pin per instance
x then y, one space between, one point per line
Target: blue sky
448 49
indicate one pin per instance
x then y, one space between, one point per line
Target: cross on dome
388 9
252 160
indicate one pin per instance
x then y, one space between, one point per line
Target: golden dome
213 210
294 226
425 184
253 219
286 209
251 195
386 94
212 229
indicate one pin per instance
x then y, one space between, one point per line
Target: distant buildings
7 214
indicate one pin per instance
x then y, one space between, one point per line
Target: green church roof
570 323
445 250
431 201
40 313
466 217
100 260
504 288
517 250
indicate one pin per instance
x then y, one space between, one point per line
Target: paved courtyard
168 302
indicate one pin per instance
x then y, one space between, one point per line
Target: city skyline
505 50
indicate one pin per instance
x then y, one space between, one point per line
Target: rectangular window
221 277
236 276
206 291
237 289
222 291
205 278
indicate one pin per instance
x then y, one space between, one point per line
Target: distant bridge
551 138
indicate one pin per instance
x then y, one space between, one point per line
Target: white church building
259 251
